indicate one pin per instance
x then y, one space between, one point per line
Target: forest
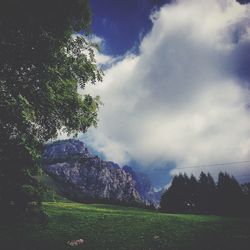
205 196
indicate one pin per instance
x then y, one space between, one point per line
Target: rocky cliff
86 177
143 186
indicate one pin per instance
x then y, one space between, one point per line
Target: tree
181 195
42 65
193 194
246 193
186 194
206 193
229 195
170 201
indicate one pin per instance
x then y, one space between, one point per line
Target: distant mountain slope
88 178
143 186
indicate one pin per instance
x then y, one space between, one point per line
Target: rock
143 186
86 177
74 243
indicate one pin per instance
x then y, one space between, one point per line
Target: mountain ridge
88 178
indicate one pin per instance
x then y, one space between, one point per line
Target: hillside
106 227
86 177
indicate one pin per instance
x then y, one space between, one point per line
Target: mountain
85 177
143 186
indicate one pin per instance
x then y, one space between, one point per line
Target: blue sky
122 23
176 87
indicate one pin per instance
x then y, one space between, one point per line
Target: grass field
112 227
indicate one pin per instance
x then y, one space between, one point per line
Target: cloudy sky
176 87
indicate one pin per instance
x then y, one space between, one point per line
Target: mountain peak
65 148
87 177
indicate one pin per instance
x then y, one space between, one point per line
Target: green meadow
116 228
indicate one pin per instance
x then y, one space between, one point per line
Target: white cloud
181 98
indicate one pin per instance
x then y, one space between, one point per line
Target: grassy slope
54 189
112 227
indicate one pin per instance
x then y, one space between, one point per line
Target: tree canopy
189 195
45 57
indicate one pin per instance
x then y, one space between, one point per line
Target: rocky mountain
143 186
86 177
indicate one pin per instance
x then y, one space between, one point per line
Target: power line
242 176
214 165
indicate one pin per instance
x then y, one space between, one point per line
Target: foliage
230 195
189 195
42 65
51 190
116 228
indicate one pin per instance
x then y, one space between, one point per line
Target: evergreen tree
181 196
193 194
172 198
204 196
246 196
206 193
229 195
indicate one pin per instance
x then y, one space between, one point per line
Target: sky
176 86
122 23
